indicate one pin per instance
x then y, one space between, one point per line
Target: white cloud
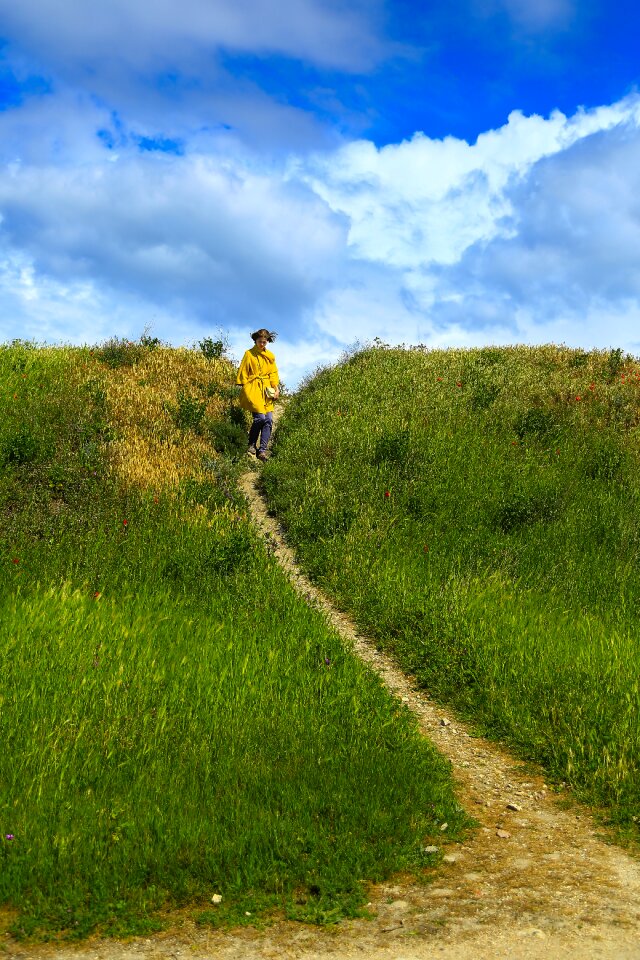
40 308
198 234
452 242
530 234
143 34
426 201
169 68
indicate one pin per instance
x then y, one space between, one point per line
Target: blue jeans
261 430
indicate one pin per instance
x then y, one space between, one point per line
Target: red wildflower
387 493
514 443
124 523
578 398
156 500
426 548
458 384
15 560
96 595
592 386
439 379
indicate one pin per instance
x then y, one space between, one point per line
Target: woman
258 377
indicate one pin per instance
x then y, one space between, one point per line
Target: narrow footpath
535 881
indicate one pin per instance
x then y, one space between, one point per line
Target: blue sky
443 173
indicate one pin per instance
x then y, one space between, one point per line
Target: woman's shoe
261 456
251 451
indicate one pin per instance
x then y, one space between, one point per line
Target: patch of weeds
231 553
521 509
328 520
426 856
240 417
421 505
605 460
324 909
207 493
317 380
534 422
60 924
622 411
490 356
578 359
225 555
483 395
392 447
615 362
188 412
95 390
228 437
20 447
247 911
120 352
223 390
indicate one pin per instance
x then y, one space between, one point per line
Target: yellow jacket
257 371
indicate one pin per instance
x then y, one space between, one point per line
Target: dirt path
533 883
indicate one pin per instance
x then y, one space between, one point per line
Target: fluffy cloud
176 70
426 201
529 234
152 34
531 231
207 236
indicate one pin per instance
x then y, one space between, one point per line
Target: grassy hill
176 723
478 512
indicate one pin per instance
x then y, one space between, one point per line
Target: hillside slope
478 513
176 724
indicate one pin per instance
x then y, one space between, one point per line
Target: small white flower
216 898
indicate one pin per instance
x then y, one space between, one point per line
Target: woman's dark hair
270 335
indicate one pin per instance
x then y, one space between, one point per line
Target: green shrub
605 458
392 447
483 395
615 361
189 411
228 438
534 422
518 510
212 349
120 352
20 447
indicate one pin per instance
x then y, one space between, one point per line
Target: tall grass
478 512
175 722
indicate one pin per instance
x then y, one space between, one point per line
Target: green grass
479 513
175 721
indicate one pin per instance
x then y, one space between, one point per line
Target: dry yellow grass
151 452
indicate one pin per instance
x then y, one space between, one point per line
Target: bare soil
535 881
